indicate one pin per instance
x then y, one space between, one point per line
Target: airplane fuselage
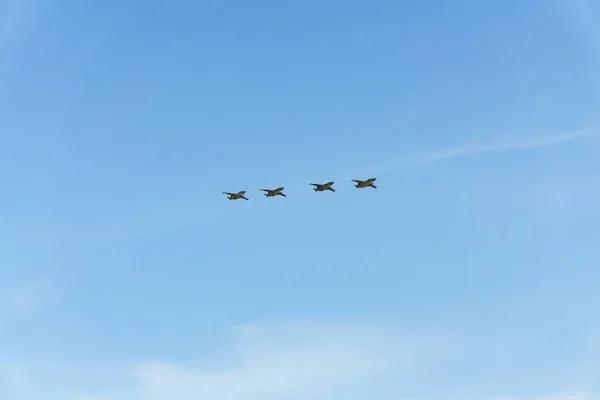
236 196
274 192
323 187
363 184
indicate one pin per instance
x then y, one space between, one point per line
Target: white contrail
433 156
516 144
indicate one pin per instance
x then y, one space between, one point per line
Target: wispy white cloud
308 361
276 361
506 145
297 361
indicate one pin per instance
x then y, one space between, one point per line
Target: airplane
363 184
274 192
322 187
235 196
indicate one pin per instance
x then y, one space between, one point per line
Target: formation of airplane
317 187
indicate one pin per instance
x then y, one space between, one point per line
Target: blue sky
470 273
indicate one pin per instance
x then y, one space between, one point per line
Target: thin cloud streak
518 144
433 156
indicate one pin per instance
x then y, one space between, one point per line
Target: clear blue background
121 123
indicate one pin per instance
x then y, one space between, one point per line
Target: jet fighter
322 187
363 184
274 192
236 196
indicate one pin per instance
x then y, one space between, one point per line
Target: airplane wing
229 194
